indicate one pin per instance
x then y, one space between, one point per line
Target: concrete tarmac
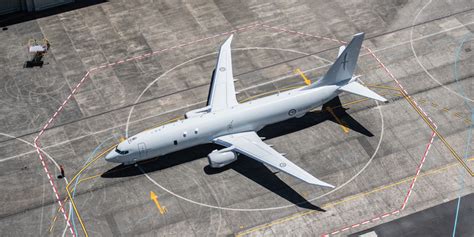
151 61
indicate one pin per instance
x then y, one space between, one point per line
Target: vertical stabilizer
345 64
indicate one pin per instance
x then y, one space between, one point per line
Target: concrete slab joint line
86 76
405 200
404 92
45 167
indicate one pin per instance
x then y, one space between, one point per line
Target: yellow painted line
88 178
75 177
154 197
56 215
357 101
453 152
169 121
450 148
91 162
77 213
354 102
427 173
343 126
306 80
445 109
95 176
353 197
53 223
279 90
295 87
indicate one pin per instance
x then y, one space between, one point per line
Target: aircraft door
142 150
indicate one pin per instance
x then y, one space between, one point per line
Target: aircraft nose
111 157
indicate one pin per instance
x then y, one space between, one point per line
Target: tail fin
345 64
342 71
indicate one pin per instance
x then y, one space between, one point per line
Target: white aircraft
233 125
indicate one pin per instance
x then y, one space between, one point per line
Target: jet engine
218 159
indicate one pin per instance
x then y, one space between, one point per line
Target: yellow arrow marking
306 80
343 126
157 203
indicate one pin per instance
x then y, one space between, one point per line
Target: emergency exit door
142 150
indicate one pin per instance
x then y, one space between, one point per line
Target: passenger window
175 142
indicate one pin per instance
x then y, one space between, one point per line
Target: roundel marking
222 69
292 112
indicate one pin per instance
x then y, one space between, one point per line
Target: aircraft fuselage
203 128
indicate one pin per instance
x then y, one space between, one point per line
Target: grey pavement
372 172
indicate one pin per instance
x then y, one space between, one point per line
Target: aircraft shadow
247 167
263 176
314 118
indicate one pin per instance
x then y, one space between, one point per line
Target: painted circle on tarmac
250 209
427 72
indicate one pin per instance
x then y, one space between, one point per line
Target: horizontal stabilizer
358 89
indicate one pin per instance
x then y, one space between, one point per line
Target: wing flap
250 144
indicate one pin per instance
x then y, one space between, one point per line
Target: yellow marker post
157 203
306 80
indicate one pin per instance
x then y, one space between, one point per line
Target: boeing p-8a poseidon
233 125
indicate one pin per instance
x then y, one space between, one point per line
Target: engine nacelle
218 159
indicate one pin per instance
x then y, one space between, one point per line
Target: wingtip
382 99
359 35
322 183
327 185
228 41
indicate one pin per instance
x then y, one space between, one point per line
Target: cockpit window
120 152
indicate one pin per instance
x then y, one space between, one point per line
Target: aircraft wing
250 144
222 90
